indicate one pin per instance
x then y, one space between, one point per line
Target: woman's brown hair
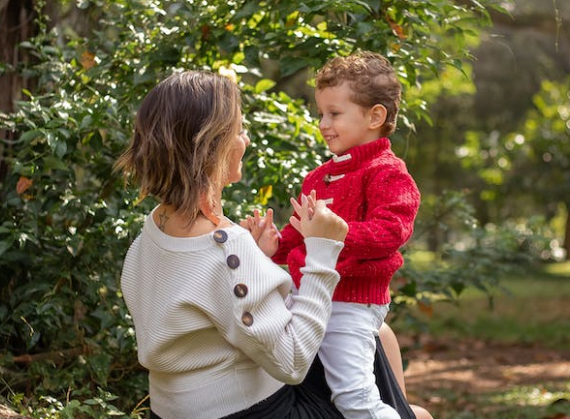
372 80
183 138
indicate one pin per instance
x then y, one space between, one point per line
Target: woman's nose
245 137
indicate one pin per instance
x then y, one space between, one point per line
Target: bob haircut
183 137
372 80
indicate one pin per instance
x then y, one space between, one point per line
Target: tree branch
52 356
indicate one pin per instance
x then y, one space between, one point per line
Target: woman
216 324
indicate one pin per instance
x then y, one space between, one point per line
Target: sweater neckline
357 156
183 244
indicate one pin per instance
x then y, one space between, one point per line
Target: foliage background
68 347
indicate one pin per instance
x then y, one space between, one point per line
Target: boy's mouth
329 138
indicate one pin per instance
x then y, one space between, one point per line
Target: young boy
369 187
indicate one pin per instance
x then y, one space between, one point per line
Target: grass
525 402
532 310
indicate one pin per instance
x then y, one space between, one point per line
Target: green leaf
54 163
263 85
58 147
4 245
291 65
86 122
31 135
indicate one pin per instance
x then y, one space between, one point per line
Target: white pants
347 354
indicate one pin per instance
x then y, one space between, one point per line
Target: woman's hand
317 220
263 230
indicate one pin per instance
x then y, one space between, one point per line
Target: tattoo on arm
163 219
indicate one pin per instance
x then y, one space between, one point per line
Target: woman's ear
378 114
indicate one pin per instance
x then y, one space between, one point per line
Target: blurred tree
540 154
524 47
463 148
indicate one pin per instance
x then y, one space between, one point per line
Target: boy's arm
290 238
392 201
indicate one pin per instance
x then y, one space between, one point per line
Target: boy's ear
378 114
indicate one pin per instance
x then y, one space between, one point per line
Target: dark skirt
311 398
290 402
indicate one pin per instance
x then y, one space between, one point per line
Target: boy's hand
263 230
316 220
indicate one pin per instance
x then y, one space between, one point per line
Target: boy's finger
296 206
296 223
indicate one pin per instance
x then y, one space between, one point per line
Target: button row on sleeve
240 290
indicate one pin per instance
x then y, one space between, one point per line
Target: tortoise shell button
240 290
247 318
232 261
220 236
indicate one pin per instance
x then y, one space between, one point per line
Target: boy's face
343 123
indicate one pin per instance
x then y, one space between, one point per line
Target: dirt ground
472 367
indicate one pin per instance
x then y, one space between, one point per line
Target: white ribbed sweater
203 361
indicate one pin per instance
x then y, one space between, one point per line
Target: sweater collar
357 156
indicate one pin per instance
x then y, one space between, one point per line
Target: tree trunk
16 25
566 243
7 413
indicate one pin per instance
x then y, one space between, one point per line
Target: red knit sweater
370 188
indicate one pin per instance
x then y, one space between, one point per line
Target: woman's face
235 165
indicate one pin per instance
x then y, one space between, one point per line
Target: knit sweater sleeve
277 330
392 201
